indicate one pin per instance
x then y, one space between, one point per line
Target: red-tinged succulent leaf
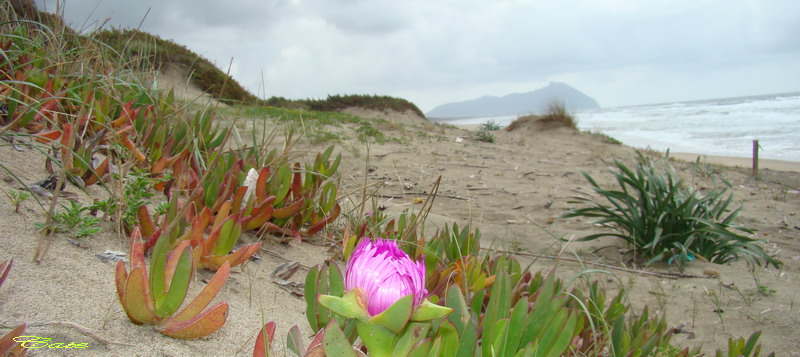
47 110
8 346
238 197
261 183
124 116
172 263
297 182
263 346
92 177
258 219
234 259
159 166
123 137
152 240
148 228
137 298
290 210
5 267
67 140
205 296
222 214
317 341
48 137
136 249
201 325
316 227
34 127
121 279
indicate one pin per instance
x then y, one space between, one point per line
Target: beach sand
515 191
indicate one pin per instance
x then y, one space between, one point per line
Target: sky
438 51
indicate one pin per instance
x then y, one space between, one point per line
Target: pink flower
385 274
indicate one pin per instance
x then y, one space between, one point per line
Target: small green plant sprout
664 221
17 197
72 219
154 298
762 289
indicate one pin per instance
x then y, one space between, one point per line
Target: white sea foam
723 127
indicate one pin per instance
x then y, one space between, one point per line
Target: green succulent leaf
396 315
347 306
179 285
334 343
427 311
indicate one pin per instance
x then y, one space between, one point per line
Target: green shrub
490 125
485 136
664 221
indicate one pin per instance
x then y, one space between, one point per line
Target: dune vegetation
186 197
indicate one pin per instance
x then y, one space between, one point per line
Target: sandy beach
514 190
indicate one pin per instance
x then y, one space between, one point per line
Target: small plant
763 289
73 220
17 197
155 298
715 300
490 125
740 347
484 136
664 221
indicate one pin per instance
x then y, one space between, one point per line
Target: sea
719 127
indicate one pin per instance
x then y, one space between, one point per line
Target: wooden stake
755 158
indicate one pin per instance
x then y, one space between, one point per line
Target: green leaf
396 315
379 340
455 300
347 306
310 295
294 341
334 343
179 285
413 334
427 311
468 344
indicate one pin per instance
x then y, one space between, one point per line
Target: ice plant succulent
385 274
385 294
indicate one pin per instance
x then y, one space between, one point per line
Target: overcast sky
437 51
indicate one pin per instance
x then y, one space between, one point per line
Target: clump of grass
555 116
155 52
664 221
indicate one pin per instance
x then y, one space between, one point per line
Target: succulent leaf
201 325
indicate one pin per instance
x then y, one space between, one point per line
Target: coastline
744 162
733 161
